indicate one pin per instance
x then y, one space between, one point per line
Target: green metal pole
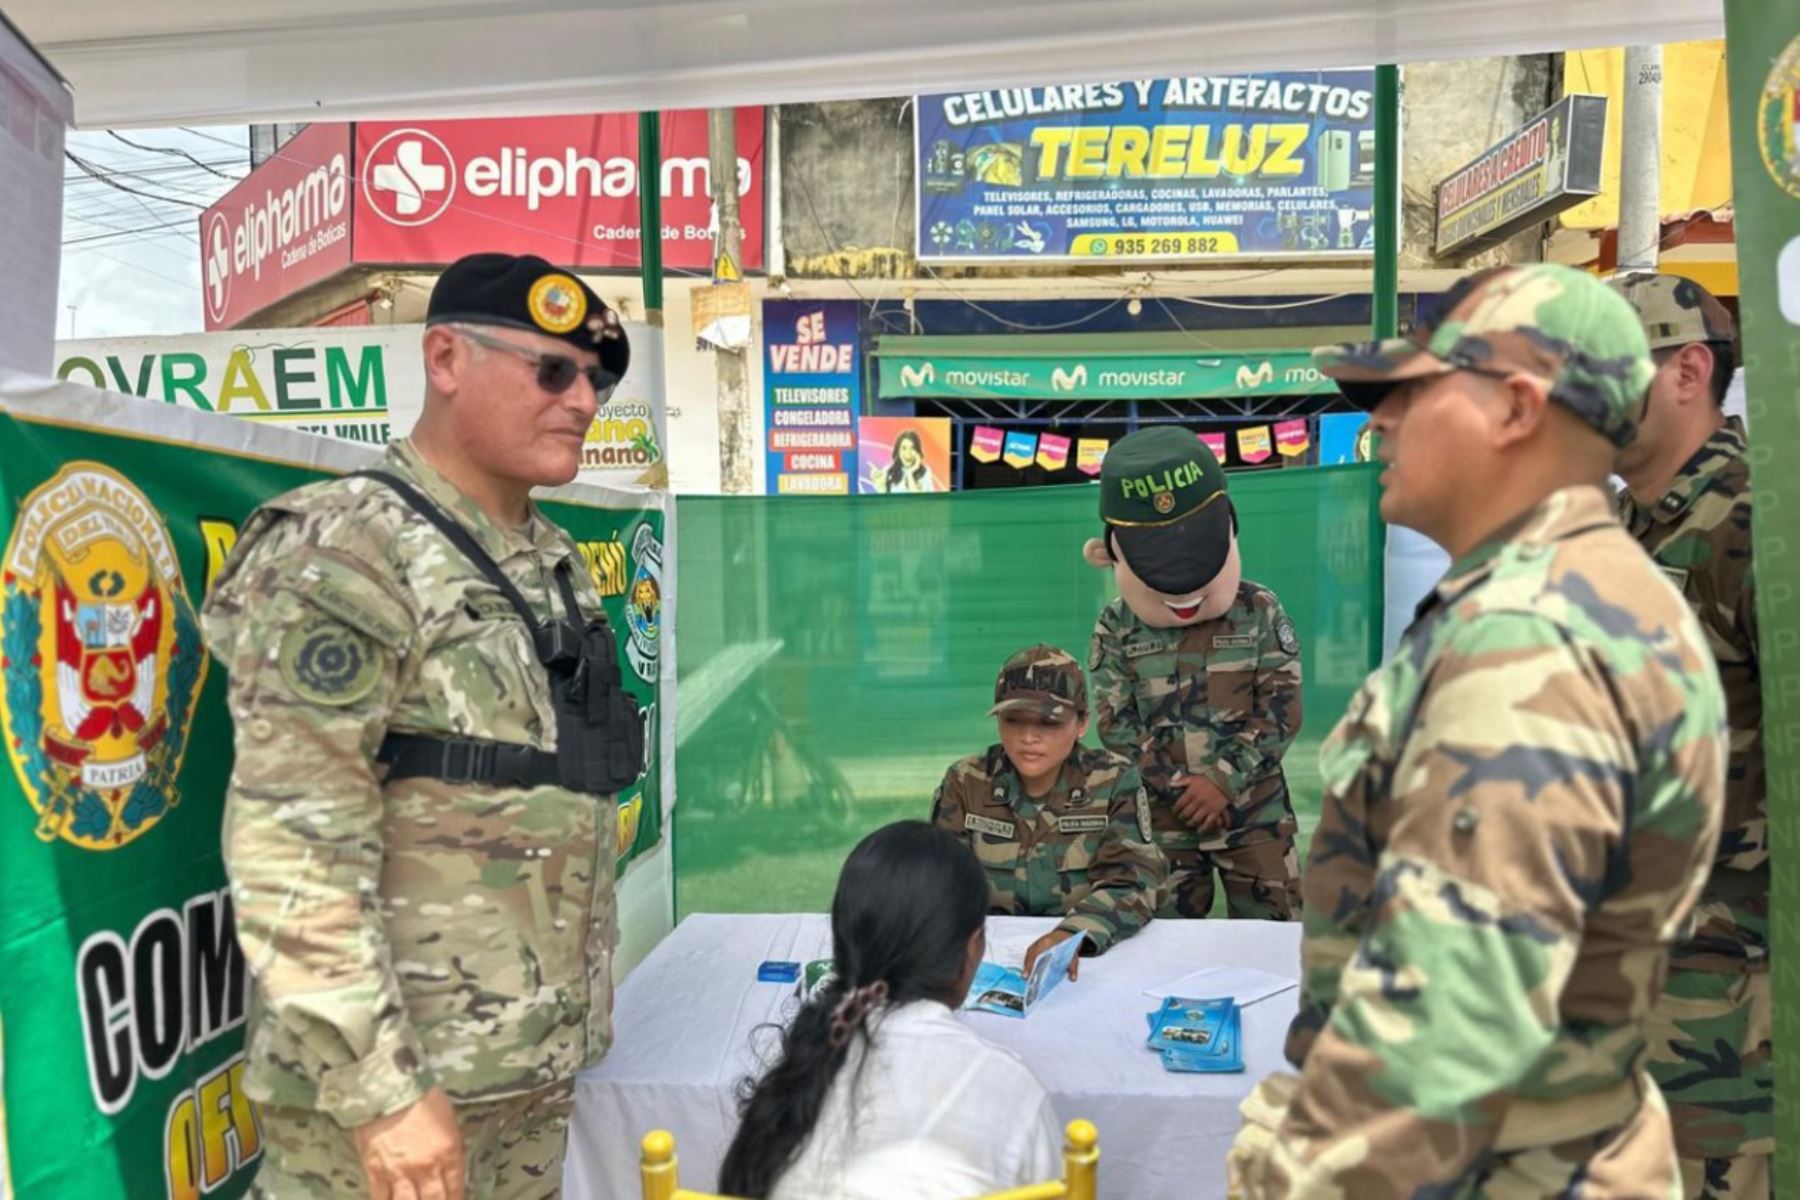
650 212
1384 314
1386 306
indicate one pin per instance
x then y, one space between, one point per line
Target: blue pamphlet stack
1198 1035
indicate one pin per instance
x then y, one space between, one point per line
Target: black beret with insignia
522 291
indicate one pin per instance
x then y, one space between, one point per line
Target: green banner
1194 376
122 989
1763 62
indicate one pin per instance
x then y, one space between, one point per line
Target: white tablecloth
686 1015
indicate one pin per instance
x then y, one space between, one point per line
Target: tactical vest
599 729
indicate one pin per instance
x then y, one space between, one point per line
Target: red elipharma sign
284 228
565 188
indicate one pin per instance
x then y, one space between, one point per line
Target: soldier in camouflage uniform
1060 828
431 948
1520 806
1687 502
1205 695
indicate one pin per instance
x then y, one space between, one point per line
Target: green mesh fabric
835 656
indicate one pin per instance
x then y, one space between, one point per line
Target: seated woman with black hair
880 1090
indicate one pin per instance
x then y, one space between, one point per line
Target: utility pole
736 470
1640 161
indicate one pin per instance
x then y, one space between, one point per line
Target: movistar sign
1101 376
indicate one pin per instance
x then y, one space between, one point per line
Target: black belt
466 760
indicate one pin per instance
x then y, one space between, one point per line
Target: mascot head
1170 535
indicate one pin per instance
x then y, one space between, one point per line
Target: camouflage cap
1041 679
1556 323
1675 311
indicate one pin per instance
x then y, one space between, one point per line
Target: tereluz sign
122 988
1198 167
363 384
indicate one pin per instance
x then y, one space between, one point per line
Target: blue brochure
1204 1036
1006 991
1188 1024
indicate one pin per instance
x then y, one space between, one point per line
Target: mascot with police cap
1196 677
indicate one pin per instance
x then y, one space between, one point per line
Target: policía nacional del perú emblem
102 659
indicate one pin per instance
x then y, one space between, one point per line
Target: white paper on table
1246 985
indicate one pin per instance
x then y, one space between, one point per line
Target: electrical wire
1015 325
1226 304
119 233
213 137
100 175
184 283
170 150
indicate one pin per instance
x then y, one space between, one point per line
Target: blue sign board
812 382
1152 169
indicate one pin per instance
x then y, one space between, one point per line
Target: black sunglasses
556 373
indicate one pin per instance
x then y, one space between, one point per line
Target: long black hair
908 900
896 472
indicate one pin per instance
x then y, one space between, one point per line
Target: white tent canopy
167 62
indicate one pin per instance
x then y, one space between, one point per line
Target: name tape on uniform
1002 829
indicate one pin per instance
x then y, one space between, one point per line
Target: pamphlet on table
1007 992
1197 1035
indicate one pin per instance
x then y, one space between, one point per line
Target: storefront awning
200 62
1146 366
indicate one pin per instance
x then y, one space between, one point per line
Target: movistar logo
917 377
1068 381
1264 374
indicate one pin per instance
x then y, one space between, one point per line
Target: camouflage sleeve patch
1284 634
356 601
328 662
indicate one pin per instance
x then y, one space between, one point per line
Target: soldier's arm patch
355 600
1284 634
327 662
1143 814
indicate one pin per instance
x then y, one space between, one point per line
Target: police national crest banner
1763 63
122 989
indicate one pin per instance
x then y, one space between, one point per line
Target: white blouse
930 1111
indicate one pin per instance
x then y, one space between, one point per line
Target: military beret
524 292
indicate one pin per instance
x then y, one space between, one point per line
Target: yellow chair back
1081 1169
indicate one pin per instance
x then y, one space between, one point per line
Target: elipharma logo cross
218 266
409 177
